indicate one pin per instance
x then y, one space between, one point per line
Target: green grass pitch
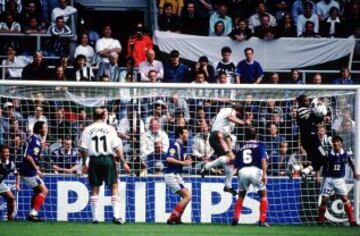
21 228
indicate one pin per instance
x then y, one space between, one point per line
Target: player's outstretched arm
186 162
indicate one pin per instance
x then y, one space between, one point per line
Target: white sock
221 161
307 170
33 212
115 202
94 203
229 172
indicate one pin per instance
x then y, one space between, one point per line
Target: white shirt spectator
53 30
31 122
124 126
87 51
148 139
323 8
106 43
19 61
337 124
302 21
255 20
201 147
66 13
146 66
15 26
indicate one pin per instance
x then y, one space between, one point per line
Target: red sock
238 207
322 210
10 208
349 211
263 209
38 201
177 212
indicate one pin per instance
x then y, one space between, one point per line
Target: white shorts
337 184
250 175
174 181
4 188
33 181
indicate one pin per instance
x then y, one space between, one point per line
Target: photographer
138 44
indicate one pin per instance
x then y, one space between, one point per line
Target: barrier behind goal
67 109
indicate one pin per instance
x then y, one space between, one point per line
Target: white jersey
100 139
222 123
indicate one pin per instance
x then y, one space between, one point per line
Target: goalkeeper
308 123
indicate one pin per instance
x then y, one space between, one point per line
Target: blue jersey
249 73
335 164
176 151
6 168
33 149
250 154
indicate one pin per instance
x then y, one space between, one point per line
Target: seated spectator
178 105
332 26
82 72
160 112
38 116
63 10
346 131
275 78
191 22
309 31
303 20
8 114
265 30
219 29
153 76
346 115
93 35
323 8
317 79
58 45
345 77
112 69
60 74
139 44
9 25
32 10
106 45
168 21
273 140
298 8
18 62
37 70
11 6
59 127
65 159
32 26
240 32
85 49
14 130
249 70
286 28
227 66
278 163
177 6
221 15
129 71
255 19
203 66
175 72
148 139
295 77
156 157
151 64
201 149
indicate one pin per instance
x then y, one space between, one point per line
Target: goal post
144 195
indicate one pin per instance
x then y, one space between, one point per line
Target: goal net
145 117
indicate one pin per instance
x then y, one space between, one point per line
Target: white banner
283 53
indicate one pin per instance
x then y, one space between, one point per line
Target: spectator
32 10
155 159
151 64
346 115
273 140
178 105
59 28
191 22
111 68
295 77
12 6
106 45
221 15
201 149
10 25
60 74
203 66
38 116
325 140
227 65
308 16
275 78
65 159
309 31
240 32
346 131
249 70
148 139
160 112
264 30
58 45
139 44
33 26
287 28
317 79
278 163
82 72
323 8
177 6
130 70
332 26
255 19
37 70
345 77
153 76
14 130
168 21
298 9
59 127
219 29
16 145
18 62
93 35
63 10
9 113
352 18
85 49
279 8
175 72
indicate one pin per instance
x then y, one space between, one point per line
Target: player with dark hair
251 161
30 170
7 167
100 142
221 141
176 160
308 123
333 173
